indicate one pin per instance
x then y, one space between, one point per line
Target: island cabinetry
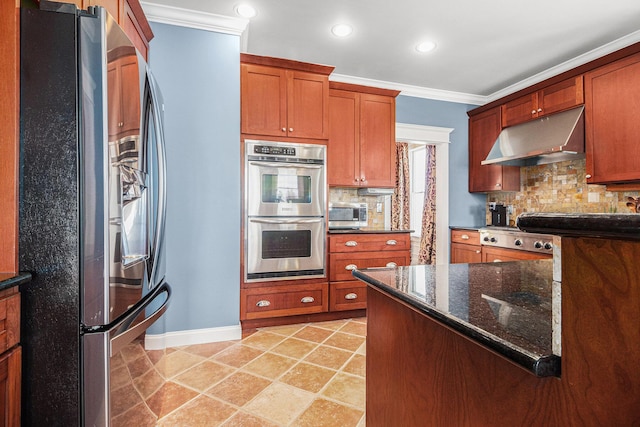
611 122
361 148
465 246
283 300
10 357
348 252
551 99
484 129
282 98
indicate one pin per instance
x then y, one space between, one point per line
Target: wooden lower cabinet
351 251
283 300
465 246
10 358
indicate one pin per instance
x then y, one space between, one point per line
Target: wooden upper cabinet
484 129
551 99
612 108
361 148
284 98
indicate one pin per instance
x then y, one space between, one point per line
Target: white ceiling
485 48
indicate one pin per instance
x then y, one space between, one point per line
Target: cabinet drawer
369 242
342 264
275 301
347 296
9 322
468 237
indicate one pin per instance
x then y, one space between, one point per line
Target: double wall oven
285 203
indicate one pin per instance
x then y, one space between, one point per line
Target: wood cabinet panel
263 103
347 296
611 124
491 254
467 237
484 129
361 148
369 242
342 264
464 254
10 387
519 110
276 301
307 105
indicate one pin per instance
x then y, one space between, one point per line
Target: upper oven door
285 189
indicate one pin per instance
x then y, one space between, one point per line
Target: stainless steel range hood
554 138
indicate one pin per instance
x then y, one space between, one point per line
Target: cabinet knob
307 300
533 111
351 267
478 251
392 264
263 303
351 243
498 185
588 176
465 237
290 129
362 179
539 110
392 242
284 129
351 296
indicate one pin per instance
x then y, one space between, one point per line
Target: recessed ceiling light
341 30
246 11
427 46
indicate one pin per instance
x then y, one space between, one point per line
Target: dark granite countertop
621 226
472 227
8 280
505 306
366 231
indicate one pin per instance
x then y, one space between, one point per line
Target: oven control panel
274 150
516 239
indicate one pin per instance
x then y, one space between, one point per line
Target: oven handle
286 165
286 221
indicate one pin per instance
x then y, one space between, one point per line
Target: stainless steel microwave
347 215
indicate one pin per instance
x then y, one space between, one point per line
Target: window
417 163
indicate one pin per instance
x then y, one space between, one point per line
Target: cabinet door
483 132
561 96
350 295
10 380
464 254
307 105
343 149
520 110
377 140
611 122
263 100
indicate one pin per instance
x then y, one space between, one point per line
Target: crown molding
414 91
599 52
423 134
192 19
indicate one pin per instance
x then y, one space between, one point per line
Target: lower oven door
284 248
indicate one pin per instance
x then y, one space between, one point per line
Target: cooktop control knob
548 245
518 242
493 240
486 238
537 245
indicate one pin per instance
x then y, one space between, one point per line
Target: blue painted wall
465 209
199 74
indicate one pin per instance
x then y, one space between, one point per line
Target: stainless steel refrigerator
92 206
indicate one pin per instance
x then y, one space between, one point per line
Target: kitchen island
484 344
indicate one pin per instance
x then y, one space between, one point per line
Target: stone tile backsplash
559 187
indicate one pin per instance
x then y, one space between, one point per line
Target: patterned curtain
401 196
427 254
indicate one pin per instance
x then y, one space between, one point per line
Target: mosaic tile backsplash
375 219
560 187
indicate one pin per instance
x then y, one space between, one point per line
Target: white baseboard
191 337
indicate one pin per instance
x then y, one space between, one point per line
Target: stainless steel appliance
512 238
285 190
344 215
92 209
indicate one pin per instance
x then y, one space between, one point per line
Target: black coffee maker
498 214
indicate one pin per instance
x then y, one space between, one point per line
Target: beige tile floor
296 375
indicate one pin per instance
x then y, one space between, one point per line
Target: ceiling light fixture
246 11
341 30
425 47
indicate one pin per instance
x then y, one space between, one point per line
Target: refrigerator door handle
120 329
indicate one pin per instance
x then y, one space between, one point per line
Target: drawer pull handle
465 237
351 296
351 243
392 264
263 303
351 267
478 251
392 242
307 300
497 260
